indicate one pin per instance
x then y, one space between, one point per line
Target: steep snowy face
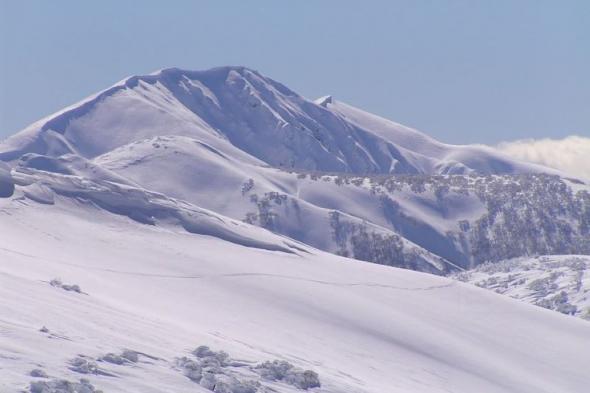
136 108
254 114
253 118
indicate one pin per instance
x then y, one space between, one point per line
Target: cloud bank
570 155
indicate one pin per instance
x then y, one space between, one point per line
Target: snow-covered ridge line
148 207
451 221
436 224
245 108
59 120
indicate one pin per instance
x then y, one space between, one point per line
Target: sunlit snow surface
162 291
125 230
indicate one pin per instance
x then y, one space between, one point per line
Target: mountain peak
176 73
324 101
236 108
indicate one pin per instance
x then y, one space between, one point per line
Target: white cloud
570 155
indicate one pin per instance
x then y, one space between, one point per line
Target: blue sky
461 71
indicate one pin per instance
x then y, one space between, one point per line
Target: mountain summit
332 176
199 231
243 113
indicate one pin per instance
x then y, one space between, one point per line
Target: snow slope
555 282
126 242
283 202
162 291
441 223
428 155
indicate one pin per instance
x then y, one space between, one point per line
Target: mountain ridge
238 104
234 142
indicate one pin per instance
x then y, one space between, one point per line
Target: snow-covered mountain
224 139
254 119
187 209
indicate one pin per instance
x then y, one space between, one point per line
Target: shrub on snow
191 369
38 373
280 370
126 356
63 386
56 282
